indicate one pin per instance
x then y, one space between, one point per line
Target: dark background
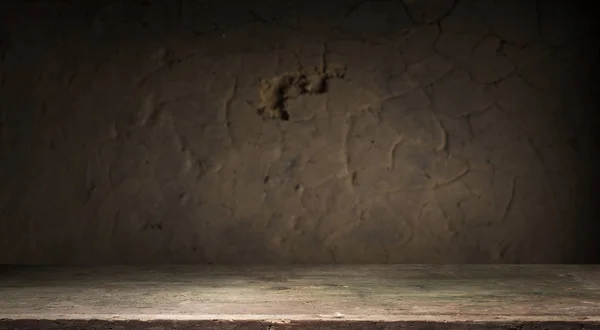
462 132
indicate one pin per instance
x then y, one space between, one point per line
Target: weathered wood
328 295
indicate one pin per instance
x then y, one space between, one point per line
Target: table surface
275 293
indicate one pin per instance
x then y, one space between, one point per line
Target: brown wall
455 132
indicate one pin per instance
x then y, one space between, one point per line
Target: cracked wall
461 131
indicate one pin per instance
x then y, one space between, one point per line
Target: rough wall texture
452 131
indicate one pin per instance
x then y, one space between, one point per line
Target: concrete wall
446 131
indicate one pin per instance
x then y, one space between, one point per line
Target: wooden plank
387 293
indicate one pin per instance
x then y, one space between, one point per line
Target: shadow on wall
429 131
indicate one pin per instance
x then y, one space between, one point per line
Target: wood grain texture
283 296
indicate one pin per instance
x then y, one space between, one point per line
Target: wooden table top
387 293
